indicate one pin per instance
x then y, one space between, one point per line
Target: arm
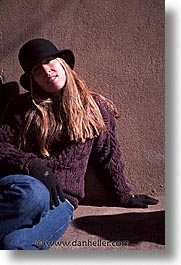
106 157
12 160
15 161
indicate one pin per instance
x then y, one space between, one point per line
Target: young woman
47 139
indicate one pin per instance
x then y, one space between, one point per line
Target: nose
46 68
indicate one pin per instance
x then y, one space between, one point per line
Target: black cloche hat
36 50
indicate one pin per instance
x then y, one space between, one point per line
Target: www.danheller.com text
83 243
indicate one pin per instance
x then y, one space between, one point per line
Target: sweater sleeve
106 157
12 160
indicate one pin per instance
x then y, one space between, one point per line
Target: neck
57 95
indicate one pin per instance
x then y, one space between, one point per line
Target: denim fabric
26 220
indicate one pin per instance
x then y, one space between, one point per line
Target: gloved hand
39 171
140 201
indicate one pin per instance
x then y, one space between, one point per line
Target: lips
51 79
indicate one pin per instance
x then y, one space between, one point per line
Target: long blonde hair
77 112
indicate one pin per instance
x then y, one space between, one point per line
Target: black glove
39 171
140 201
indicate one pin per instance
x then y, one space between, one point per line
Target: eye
36 70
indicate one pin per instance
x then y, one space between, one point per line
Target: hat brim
66 55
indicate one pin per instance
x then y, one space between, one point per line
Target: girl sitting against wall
47 139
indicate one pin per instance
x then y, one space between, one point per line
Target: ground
115 228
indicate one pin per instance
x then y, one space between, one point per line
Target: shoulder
19 103
105 105
107 109
18 106
100 101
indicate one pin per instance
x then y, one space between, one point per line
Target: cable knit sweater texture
68 160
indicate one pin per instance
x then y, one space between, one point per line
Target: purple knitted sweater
68 160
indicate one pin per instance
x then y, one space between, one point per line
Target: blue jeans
26 220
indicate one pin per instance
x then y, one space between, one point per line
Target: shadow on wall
132 227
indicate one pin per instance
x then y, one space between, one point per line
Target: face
49 75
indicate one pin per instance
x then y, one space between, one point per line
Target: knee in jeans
10 243
13 242
32 196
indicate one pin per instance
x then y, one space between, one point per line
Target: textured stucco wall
119 49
